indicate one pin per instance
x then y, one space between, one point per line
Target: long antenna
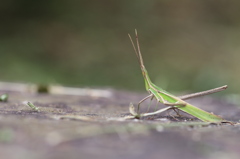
137 50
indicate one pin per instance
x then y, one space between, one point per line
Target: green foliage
32 106
85 43
3 97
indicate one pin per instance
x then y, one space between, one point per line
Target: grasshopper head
146 78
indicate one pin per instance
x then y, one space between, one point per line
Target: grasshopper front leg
149 96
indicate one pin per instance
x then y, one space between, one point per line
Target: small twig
73 117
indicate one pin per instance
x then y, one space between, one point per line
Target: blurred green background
186 45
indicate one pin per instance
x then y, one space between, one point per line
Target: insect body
169 99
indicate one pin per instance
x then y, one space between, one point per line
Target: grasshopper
168 99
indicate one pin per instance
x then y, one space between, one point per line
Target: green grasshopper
169 99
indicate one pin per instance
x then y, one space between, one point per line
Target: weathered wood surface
87 126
